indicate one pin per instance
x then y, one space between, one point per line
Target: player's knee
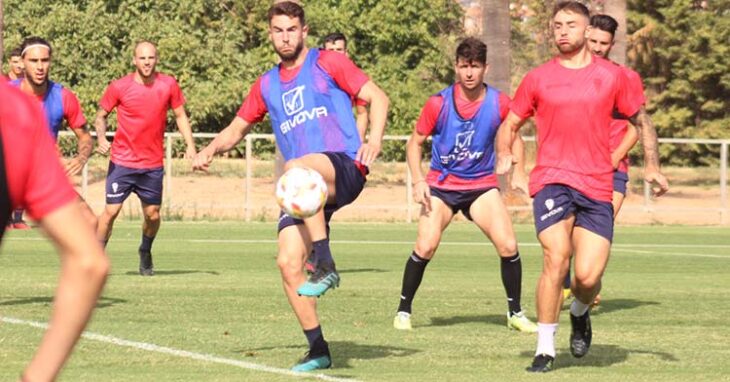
425 250
507 248
586 281
152 216
289 266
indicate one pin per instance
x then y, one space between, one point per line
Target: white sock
546 339
578 308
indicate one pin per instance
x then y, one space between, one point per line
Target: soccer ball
301 192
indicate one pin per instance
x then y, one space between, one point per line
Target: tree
497 36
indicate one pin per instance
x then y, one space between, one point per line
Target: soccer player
15 62
308 97
31 176
573 97
142 99
59 104
337 42
623 136
463 121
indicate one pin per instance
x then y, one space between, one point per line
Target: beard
293 55
571 48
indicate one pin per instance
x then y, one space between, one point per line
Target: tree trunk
617 10
496 32
2 29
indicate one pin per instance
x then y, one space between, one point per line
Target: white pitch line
675 254
182 353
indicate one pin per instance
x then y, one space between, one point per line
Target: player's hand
615 160
74 165
102 146
367 153
190 152
657 180
422 194
505 162
519 181
201 161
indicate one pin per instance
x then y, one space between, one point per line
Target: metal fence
699 195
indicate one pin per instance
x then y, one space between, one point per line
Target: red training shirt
34 175
573 111
141 118
619 126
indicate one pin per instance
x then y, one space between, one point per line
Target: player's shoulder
123 82
17 110
608 65
167 78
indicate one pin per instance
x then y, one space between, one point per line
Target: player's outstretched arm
378 100
183 125
623 148
102 144
414 153
224 141
84 147
361 120
505 139
650 143
84 267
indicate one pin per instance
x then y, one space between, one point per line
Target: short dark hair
287 8
572 6
16 52
472 50
34 40
333 37
605 23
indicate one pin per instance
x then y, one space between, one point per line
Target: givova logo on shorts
293 101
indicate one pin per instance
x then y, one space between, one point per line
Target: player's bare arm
414 153
519 174
650 143
84 267
627 143
361 120
505 141
100 125
224 141
183 125
84 147
378 100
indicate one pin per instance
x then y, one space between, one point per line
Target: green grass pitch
217 293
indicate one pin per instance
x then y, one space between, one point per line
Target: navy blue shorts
145 182
350 178
556 202
459 200
620 179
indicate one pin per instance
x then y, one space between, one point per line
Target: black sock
412 276
321 252
146 245
566 282
511 268
17 216
317 344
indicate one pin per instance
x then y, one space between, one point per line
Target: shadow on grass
493 319
600 356
174 273
615 304
104 302
343 352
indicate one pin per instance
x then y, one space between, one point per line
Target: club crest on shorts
293 100
549 204
115 187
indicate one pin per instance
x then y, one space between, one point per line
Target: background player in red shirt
337 42
59 104
343 170
573 98
15 62
142 100
463 120
32 176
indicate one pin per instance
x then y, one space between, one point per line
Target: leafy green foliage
216 50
